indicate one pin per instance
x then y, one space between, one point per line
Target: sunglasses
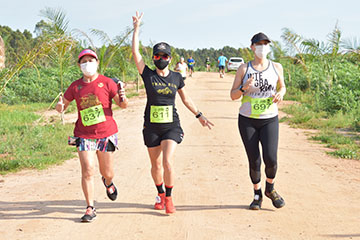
164 57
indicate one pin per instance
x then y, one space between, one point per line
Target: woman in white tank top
260 85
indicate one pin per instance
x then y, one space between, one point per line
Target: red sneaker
160 201
169 206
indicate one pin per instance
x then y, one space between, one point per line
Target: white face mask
89 68
262 50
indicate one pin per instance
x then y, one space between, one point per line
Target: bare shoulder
278 66
243 67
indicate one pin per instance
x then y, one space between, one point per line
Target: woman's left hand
204 122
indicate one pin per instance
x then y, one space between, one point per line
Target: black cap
259 37
162 47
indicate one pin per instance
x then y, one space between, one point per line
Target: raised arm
140 64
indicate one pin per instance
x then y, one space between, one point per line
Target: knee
88 173
167 166
108 174
271 171
156 167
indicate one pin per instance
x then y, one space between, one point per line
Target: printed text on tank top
257 100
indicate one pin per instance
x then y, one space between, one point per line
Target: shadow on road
48 209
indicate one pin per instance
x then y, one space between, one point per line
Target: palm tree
327 53
56 20
351 48
294 43
57 31
41 49
109 49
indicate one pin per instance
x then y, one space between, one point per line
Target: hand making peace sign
137 19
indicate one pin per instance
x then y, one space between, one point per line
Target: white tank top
182 69
257 100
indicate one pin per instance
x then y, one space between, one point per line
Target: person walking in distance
256 84
222 60
191 63
162 130
95 129
182 68
207 63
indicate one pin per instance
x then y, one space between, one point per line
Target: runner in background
256 83
182 68
191 63
207 63
222 60
162 131
95 129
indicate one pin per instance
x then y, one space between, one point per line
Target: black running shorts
154 136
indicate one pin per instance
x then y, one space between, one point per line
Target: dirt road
212 190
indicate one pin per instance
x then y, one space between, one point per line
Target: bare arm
278 97
235 93
140 64
122 104
191 106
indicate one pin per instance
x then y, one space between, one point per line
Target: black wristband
199 115
241 88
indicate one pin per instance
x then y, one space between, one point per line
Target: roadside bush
42 85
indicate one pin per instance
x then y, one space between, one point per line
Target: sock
269 187
258 192
160 188
168 190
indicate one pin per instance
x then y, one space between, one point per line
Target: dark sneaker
276 199
256 203
110 190
90 215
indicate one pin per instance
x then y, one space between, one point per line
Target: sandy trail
212 190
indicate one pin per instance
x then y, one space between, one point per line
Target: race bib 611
161 114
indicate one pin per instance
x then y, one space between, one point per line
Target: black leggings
265 131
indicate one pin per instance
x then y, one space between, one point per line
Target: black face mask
161 63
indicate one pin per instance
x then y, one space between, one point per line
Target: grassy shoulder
30 141
27 143
339 131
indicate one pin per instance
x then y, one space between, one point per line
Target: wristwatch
241 88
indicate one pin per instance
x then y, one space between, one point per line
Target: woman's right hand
249 83
137 19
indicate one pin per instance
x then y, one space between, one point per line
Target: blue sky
196 24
